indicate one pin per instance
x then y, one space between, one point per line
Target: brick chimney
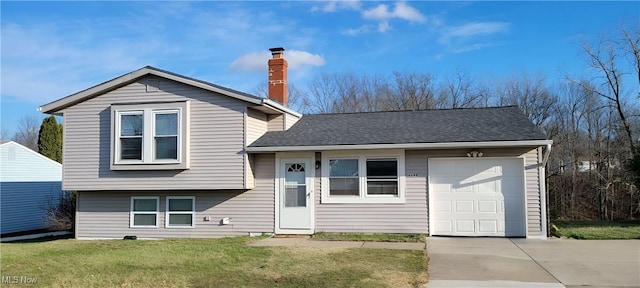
278 76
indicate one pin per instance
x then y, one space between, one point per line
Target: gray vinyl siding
532 166
105 214
216 141
412 216
24 205
256 126
275 122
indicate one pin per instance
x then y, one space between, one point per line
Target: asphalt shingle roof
400 127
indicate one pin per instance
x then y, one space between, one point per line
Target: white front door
295 196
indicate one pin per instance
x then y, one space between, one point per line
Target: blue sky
52 49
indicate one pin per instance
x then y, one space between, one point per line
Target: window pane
167 147
181 205
144 205
343 167
384 169
382 188
344 186
295 196
166 124
180 219
144 219
131 148
131 125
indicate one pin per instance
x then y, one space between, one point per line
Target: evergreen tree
50 139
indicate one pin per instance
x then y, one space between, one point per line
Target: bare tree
530 94
459 91
604 57
4 134
411 91
27 134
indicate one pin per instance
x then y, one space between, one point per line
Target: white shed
29 184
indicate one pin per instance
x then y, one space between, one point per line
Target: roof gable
131 77
404 127
19 163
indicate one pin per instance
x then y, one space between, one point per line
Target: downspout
547 152
545 159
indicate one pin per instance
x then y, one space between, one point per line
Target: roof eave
443 145
279 107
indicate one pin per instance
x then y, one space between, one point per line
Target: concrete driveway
502 262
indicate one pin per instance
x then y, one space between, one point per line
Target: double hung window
148 134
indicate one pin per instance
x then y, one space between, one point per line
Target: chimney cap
276 50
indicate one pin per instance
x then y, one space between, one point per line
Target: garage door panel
485 206
441 187
484 197
465 186
442 206
461 168
465 226
488 226
464 206
443 227
511 182
488 186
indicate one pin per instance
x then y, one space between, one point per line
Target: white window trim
362 157
193 212
148 161
131 212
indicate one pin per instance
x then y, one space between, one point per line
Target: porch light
474 154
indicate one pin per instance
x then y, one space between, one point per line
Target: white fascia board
444 145
279 107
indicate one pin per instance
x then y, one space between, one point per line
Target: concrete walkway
307 242
502 262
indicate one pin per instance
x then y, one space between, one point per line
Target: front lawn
374 237
225 262
598 230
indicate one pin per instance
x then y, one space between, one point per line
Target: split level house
155 154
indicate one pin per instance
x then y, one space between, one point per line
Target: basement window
144 212
180 212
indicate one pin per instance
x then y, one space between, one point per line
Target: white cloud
356 31
257 61
406 12
472 47
333 6
473 29
401 10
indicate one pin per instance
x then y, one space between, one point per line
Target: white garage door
476 197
